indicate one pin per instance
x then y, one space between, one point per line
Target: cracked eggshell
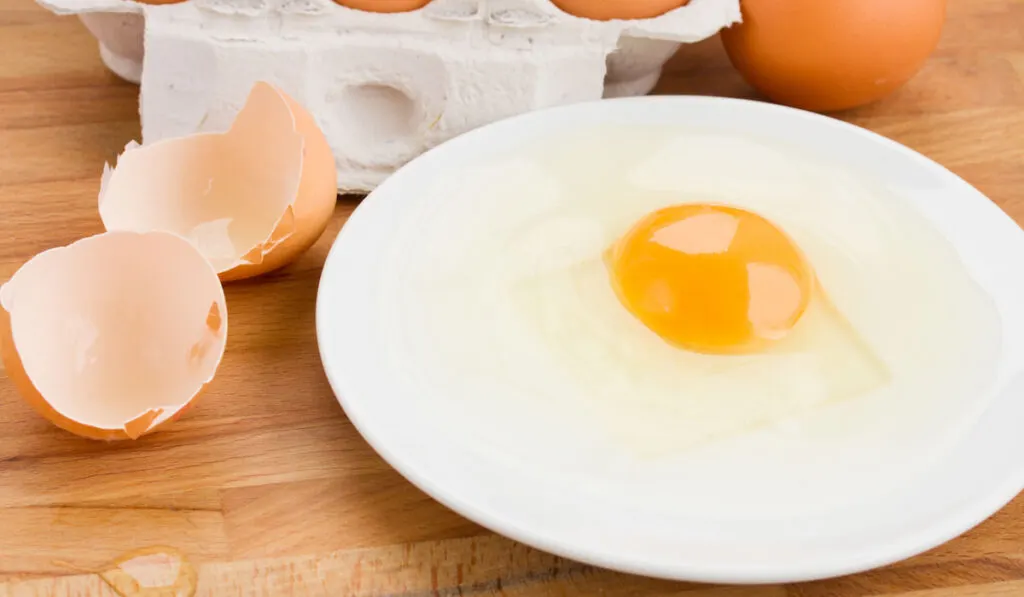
251 199
114 335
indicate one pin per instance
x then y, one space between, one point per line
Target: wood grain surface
265 488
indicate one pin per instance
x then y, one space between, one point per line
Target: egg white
517 322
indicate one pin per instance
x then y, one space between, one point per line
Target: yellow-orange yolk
711 278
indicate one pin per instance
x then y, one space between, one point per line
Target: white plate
439 449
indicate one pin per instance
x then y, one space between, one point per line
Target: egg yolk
711 278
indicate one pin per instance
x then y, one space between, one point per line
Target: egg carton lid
695 21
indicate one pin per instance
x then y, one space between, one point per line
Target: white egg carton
384 87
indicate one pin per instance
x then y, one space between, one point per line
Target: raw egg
607 10
694 298
114 335
835 54
251 199
711 278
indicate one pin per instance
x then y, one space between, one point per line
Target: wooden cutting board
265 488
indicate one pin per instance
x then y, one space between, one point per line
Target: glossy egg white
874 368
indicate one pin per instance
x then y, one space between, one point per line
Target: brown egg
827 55
114 335
607 10
384 5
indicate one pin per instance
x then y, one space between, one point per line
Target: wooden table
265 487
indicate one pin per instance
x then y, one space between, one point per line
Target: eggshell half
251 199
114 335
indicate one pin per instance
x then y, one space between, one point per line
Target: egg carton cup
383 87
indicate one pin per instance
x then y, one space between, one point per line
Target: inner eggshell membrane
231 194
116 333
